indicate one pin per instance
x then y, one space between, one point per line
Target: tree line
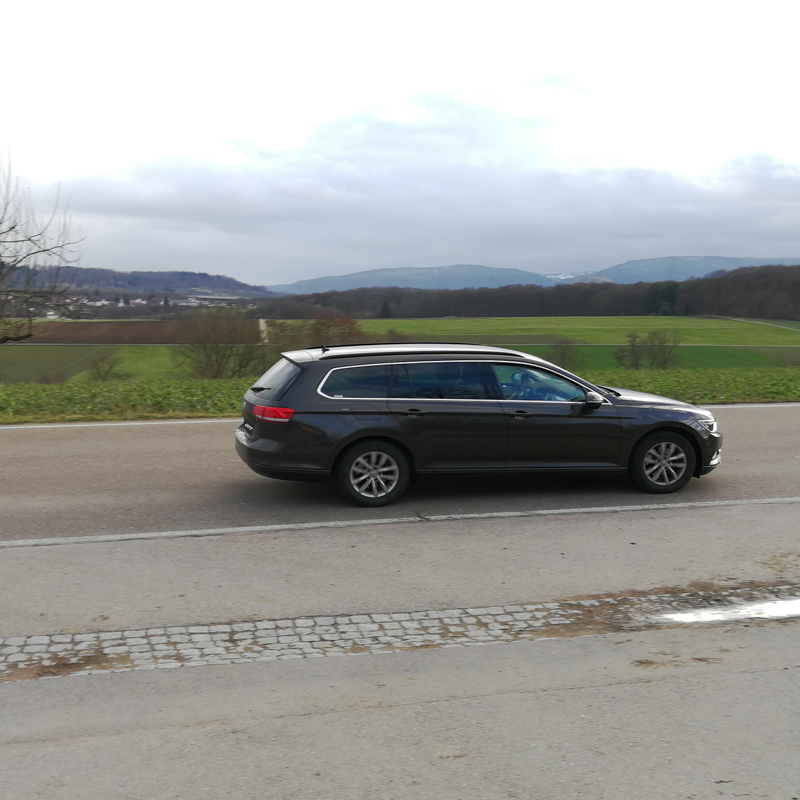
771 292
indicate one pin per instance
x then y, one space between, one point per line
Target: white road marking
121 424
304 526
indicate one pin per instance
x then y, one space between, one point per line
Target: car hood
630 397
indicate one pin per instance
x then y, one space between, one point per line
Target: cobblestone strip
58 654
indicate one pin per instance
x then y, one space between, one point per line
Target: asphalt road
696 711
87 480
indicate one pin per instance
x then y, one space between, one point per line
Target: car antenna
325 348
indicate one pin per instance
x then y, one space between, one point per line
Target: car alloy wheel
373 473
665 463
662 463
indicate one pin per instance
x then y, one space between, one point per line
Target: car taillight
272 413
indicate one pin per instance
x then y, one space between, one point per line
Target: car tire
662 463
373 473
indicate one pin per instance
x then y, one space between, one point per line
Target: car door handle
413 412
522 414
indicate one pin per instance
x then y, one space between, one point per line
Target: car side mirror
593 399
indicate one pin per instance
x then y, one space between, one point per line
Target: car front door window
527 383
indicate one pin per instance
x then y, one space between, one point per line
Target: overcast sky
274 141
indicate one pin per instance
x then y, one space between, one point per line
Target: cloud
452 183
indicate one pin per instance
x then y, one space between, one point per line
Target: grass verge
120 400
132 400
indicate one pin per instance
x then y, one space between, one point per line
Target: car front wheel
373 473
662 463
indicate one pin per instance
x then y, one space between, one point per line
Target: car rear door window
444 380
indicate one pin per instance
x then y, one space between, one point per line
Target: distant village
84 306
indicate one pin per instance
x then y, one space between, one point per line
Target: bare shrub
658 350
395 335
661 349
223 344
328 329
630 356
106 367
331 329
564 353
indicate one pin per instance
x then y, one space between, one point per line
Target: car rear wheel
662 463
373 473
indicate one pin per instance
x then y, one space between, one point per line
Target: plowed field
118 332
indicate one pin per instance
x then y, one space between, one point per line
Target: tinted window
275 381
401 385
528 383
358 382
452 380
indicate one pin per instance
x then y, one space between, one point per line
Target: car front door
550 424
449 415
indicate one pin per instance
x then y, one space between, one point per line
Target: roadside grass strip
67 654
120 400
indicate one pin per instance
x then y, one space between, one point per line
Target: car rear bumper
260 456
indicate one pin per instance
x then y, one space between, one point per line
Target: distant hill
466 276
768 292
674 268
143 283
454 276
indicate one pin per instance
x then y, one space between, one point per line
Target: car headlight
709 423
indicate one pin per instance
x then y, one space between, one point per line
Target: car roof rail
400 348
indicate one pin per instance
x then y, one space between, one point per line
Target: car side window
356 382
442 380
519 382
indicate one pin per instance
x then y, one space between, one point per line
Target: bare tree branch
33 252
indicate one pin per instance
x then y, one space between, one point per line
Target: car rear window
276 380
372 382
450 380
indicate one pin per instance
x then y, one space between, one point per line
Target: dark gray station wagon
374 417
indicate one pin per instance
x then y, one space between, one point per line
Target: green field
586 330
705 343
601 357
47 363
145 362
70 363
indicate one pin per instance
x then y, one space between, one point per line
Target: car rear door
449 415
